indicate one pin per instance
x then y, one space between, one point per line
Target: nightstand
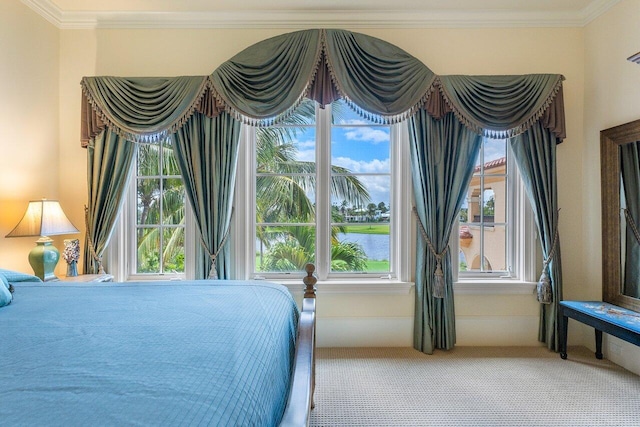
85 278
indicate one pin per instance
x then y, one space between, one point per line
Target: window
151 236
329 187
495 225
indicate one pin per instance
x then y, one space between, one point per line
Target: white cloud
359 166
310 143
369 134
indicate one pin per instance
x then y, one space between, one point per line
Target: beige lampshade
43 218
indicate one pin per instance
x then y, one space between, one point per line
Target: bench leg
598 344
564 323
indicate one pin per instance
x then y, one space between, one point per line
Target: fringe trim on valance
256 121
148 137
499 134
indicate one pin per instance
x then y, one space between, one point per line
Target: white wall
612 97
29 121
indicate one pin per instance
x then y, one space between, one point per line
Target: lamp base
43 259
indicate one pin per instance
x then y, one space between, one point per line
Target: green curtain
207 152
630 171
109 166
535 154
443 155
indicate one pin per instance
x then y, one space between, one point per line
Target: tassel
438 282
213 273
544 289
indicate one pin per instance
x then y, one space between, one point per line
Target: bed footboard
300 401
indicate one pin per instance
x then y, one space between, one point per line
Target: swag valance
264 83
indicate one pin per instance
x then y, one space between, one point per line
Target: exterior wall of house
612 97
494 237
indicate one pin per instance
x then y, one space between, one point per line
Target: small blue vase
72 269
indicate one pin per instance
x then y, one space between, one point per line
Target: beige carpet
471 386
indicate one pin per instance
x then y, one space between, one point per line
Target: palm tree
282 195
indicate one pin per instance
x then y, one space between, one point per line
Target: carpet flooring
472 386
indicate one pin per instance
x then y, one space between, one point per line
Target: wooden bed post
300 400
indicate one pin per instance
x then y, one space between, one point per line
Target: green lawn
368 229
377 266
372 266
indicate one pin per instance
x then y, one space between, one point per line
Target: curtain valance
139 109
265 82
501 106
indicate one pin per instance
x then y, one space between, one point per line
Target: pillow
5 295
15 276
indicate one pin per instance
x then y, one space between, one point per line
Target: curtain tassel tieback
438 274
213 272
92 249
543 289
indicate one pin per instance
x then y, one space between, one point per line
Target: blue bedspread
147 354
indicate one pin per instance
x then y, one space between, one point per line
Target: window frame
121 252
521 245
400 223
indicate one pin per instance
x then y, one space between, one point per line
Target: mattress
213 353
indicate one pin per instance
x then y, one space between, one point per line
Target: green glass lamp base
43 259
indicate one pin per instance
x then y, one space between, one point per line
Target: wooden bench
604 317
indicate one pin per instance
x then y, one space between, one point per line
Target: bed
219 353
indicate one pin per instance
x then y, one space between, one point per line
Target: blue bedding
215 353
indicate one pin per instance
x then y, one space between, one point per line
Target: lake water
376 246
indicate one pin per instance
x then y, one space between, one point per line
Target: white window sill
361 286
493 287
383 286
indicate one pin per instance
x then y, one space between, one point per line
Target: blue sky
359 146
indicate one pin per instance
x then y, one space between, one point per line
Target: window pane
148 244
494 248
285 199
173 254
169 164
148 160
361 248
363 149
494 149
358 209
148 201
488 205
173 200
280 149
284 249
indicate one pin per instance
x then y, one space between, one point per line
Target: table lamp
43 218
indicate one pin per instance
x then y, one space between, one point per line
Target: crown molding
351 19
595 9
